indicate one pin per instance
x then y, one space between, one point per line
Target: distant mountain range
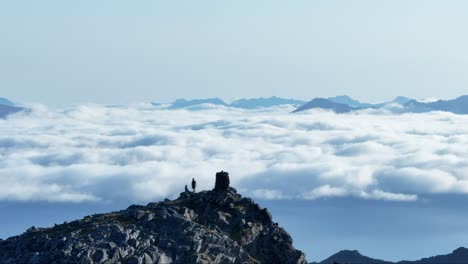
7 107
241 103
327 104
458 256
344 104
265 102
182 103
456 106
338 104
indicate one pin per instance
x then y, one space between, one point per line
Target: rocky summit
217 226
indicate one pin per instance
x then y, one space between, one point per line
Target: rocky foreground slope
218 226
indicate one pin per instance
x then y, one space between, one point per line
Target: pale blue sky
61 52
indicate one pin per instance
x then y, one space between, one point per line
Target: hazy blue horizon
111 52
226 100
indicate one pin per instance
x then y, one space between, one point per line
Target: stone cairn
222 181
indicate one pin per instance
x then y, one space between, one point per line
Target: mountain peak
4 101
460 250
352 256
216 226
401 100
463 97
326 104
347 100
341 97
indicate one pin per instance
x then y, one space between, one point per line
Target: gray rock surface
205 227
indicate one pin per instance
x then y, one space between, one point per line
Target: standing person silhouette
194 184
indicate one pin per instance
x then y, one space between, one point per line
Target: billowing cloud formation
143 153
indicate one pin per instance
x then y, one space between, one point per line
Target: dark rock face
222 181
205 227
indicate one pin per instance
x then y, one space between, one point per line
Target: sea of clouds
143 152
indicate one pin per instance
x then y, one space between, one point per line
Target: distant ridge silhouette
458 256
7 107
251 103
322 103
345 104
4 101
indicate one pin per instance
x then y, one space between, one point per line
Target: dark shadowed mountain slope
322 103
265 102
344 104
414 106
352 256
458 256
6 110
456 106
218 226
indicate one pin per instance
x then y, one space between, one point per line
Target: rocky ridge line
217 226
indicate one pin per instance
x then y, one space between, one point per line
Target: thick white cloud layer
142 153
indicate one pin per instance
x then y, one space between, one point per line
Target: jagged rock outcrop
205 227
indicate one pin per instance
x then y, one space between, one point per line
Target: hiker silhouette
194 184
